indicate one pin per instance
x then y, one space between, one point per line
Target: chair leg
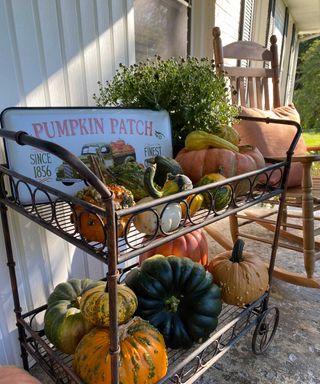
284 217
308 220
295 278
218 237
234 230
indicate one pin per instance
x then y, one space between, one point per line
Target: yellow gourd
197 140
194 202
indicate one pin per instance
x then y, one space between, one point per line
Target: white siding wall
202 20
52 53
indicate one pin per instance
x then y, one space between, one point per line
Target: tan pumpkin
193 245
143 356
196 164
242 277
94 305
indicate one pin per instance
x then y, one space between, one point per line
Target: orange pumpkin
142 359
196 164
193 245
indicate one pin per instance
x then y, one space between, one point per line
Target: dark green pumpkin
164 166
64 324
178 297
173 184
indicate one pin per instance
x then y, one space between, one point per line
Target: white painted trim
260 21
202 22
131 33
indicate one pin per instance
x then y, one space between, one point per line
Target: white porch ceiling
306 14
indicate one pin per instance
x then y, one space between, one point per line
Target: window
246 20
279 25
161 28
245 25
270 24
292 61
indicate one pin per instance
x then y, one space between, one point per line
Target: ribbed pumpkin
193 245
242 277
196 164
143 357
64 324
95 305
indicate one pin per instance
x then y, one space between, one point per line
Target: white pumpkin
146 222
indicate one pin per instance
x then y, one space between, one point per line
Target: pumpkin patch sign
110 136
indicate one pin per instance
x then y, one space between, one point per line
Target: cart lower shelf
185 366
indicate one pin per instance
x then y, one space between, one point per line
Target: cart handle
23 138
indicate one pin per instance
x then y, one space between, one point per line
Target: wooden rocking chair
252 87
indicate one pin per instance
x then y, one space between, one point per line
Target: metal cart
185 366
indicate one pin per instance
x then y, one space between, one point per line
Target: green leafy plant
307 84
189 89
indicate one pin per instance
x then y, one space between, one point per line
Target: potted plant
189 89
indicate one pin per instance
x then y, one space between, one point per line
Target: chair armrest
295 159
313 149
305 158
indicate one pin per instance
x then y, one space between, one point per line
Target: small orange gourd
142 359
242 277
91 225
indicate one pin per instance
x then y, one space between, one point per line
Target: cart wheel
265 330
